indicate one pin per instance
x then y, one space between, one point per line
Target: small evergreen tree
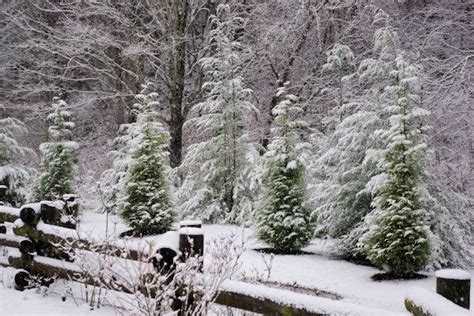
282 218
219 170
115 179
147 205
397 240
58 156
12 175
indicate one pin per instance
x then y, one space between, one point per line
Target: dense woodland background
97 53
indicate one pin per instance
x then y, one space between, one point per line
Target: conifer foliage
147 205
398 237
12 175
58 155
282 218
218 184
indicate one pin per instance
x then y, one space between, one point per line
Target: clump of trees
366 182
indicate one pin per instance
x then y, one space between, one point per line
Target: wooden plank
68 240
258 305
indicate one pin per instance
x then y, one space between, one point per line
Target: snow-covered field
316 271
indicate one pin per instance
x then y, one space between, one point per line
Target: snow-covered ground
312 271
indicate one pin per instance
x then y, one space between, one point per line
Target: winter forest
236 157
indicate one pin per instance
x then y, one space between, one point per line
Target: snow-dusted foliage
147 203
343 174
57 155
137 186
219 184
12 175
115 179
450 214
398 236
340 62
282 217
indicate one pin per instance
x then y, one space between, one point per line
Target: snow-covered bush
282 217
13 176
219 170
57 156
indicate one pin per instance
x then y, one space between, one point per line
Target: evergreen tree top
339 59
60 129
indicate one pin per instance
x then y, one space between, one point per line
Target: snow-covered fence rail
421 302
9 214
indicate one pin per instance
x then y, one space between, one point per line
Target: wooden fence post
455 285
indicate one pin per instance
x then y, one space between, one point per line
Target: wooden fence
40 231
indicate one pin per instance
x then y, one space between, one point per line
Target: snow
192 231
56 230
34 206
434 304
56 204
308 302
453 274
167 240
190 222
57 263
318 270
10 210
31 303
315 270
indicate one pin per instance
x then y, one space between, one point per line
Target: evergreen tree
116 178
12 175
397 240
147 203
58 156
344 174
282 218
219 170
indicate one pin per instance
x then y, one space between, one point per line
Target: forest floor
315 272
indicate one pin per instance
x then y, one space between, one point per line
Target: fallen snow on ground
316 270
31 303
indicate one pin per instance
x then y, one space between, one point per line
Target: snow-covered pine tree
341 172
219 170
12 175
398 237
58 155
115 179
282 218
147 205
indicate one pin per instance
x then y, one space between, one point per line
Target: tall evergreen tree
344 173
283 218
12 175
397 240
218 183
147 205
58 155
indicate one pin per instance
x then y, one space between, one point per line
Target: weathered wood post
3 193
21 279
191 244
455 285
